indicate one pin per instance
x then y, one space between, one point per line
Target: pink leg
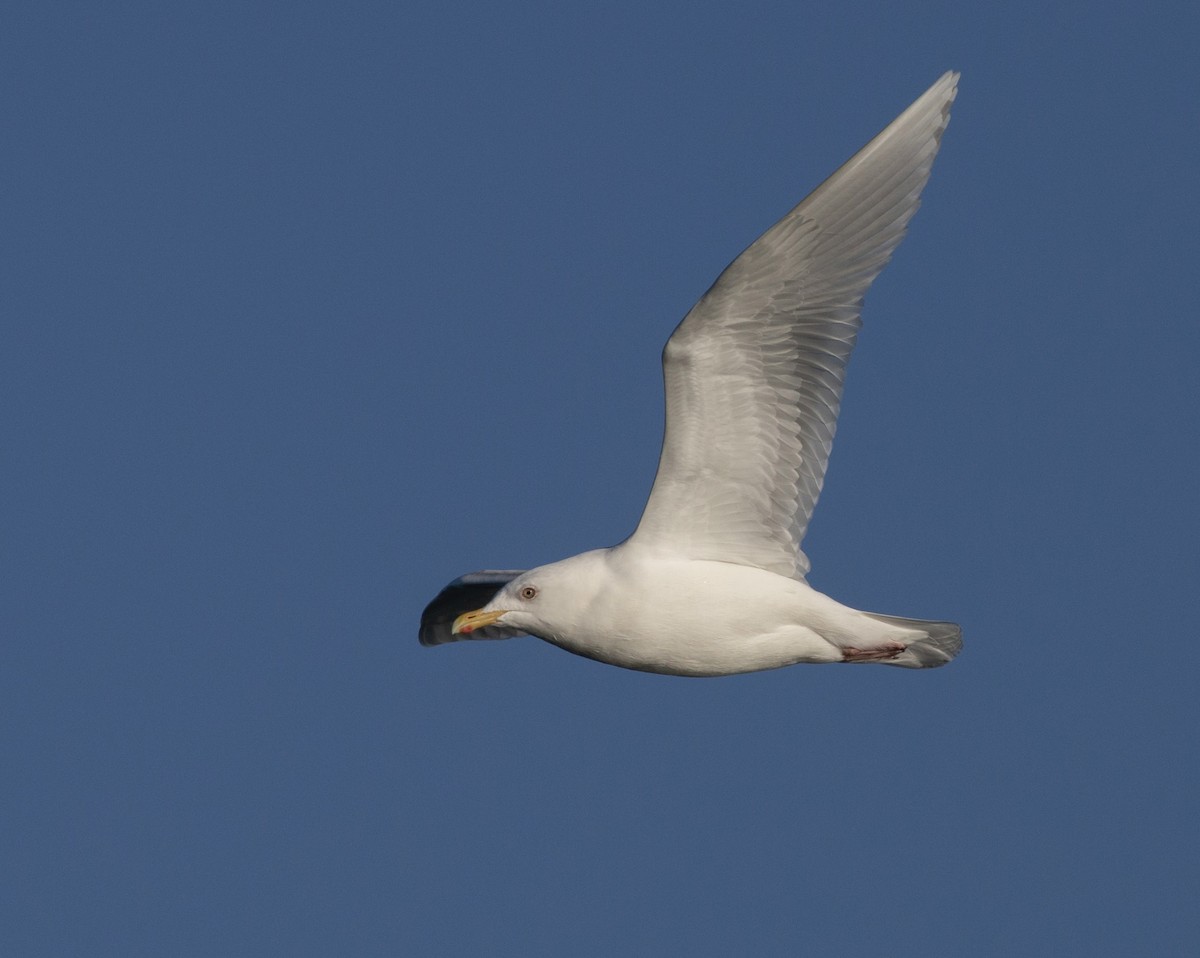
881 654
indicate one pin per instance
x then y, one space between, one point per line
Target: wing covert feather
754 373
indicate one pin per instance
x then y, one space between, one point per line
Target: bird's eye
529 592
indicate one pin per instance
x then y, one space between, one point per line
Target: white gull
712 581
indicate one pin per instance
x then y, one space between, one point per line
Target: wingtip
949 84
943 92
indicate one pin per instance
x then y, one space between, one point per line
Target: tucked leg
882 653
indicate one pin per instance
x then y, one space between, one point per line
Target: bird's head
547 601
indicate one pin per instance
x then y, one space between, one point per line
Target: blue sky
309 308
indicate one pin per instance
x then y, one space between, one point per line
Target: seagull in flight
712 581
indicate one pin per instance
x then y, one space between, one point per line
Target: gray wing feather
754 372
471 591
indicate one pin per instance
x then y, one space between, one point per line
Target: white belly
711 618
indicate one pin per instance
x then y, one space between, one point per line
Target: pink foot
881 654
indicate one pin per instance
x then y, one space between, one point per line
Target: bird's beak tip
468 622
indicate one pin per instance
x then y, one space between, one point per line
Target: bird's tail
942 642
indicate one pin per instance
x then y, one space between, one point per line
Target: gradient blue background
308 308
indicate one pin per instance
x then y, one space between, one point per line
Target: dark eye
528 592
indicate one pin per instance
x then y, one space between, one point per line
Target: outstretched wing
754 372
471 591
